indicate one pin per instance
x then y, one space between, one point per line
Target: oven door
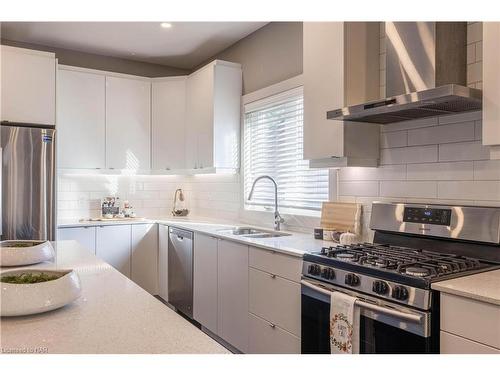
384 327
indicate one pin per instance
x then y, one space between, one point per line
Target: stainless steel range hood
425 75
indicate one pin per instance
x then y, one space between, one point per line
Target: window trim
282 87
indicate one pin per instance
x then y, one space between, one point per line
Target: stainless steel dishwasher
180 270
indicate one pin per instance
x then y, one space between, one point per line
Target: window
273 145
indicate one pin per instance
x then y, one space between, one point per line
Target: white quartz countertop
113 315
296 244
483 286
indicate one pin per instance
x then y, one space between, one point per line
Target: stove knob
328 273
314 269
317 270
400 293
331 274
380 287
351 279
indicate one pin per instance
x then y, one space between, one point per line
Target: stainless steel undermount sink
269 235
250 232
245 231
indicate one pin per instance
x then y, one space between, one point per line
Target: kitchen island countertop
113 315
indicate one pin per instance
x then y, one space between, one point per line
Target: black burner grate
406 261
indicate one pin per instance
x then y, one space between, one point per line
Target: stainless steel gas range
414 246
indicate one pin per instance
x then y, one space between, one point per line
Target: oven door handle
371 306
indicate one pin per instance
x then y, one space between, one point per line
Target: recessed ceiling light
166 25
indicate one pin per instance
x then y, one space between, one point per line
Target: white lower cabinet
205 281
163 261
275 299
267 338
274 302
232 314
85 236
468 325
453 344
144 259
114 247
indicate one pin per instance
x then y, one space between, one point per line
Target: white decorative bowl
39 251
27 299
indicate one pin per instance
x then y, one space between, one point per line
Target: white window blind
273 145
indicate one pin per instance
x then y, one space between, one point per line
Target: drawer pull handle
273 276
272 325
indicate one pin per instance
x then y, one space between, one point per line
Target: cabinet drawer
472 319
85 236
265 338
275 299
270 261
452 344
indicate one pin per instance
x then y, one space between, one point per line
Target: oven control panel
339 278
436 216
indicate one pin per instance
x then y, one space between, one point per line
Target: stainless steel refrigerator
27 182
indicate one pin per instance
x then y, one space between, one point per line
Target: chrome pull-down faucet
277 217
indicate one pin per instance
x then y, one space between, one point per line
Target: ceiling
184 45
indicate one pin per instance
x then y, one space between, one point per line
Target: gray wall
93 61
268 55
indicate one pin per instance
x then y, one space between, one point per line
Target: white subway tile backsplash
408 189
463 151
478 130
408 155
479 51
471 53
218 195
474 32
460 117
475 190
362 188
475 72
411 124
386 172
394 139
487 170
72 195
440 171
442 134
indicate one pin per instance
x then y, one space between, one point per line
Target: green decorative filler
29 278
20 244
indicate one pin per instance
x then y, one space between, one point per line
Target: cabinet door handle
272 325
273 276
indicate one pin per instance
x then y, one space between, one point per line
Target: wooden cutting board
342 217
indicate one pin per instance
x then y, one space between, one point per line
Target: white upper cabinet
340 67
491 87
28 86
168 116
213 110
116 121
81 119
128 123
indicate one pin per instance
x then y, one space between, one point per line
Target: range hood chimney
426 71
